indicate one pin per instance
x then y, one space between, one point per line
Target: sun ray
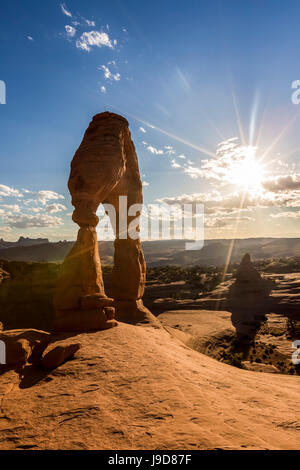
280 135
253 118
168 134
238 118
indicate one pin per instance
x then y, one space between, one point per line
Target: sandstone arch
104 167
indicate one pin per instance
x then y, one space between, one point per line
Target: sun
246 171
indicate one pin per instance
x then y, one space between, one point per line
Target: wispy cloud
28 220
175 164
193 171
65 10
182 78
56 207
6 191
286 215
169 150
90 22
143 130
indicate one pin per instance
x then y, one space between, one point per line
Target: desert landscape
203 361
176 384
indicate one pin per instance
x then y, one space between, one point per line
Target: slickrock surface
284 297
206 331
138 388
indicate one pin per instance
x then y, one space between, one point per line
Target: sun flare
247 171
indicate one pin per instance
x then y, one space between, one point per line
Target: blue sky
187 75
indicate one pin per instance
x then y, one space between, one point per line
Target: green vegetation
26 293
233 358
293 328
204 279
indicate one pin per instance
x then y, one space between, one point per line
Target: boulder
22 345
57 353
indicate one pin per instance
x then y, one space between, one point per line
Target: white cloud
169 150
94 38
282 183
9 209
154 150
90 23
64 10
215 222
143 130
103 89
28 220
228 222
193 172
30 38
182 156
70 30
108 75
7 191
53 208
216 203
5 230
145 183
44 196
286 215
175 164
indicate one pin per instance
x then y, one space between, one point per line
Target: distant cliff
22 242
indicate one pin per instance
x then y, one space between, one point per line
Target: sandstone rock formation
249 280
246 272
249 297
104 167
23 344
57 353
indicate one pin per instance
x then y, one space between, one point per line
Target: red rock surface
139 388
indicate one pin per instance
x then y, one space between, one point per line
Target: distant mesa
23 242
31 241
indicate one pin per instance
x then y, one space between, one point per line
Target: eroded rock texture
104 167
